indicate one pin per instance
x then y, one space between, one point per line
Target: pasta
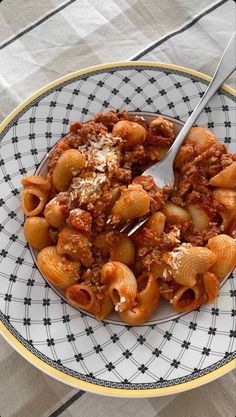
225 249
199 217
122 284
94 183
175 214
35 194
68 166
189 261
225 178
37 234
132 133
133 202
186 299
146 302
156 224
59 270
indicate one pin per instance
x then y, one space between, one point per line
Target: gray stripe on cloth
42 20
180 30
67 404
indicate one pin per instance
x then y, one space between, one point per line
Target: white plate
173 352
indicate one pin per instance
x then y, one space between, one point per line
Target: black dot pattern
171 348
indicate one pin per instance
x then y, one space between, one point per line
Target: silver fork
162 172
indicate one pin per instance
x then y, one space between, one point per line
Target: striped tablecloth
43 40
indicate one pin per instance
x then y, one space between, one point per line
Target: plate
169 354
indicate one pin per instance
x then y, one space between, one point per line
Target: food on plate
94 184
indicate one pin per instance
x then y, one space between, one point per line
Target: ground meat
200 238
227 159
141 121
111 117
209 162
108 119
56 152
178 201
75 126
146 181
160 132
81 220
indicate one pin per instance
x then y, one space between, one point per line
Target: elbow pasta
199 217
94 182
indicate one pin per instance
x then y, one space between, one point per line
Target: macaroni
94 183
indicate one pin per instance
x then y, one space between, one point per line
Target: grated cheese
104 152
87 189
118 305
177 254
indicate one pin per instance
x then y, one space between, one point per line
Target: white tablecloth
43 40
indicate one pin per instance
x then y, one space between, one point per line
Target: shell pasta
94 183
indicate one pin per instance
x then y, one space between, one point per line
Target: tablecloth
43 40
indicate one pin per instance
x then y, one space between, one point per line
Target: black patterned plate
171 353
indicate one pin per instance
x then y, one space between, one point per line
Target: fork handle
224 69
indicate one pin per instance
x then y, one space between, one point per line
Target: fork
162 172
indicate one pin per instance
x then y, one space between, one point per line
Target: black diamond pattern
210 125
157 352
143 368
206 351
66 319
215 311
13 238
110 366
141 339
212 330
15 191
89 331
114 338
50 342
167 335
192 325
79 357
175 363
127 354
19 260
12 278
185 344
98 348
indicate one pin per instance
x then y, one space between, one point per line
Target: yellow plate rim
39 363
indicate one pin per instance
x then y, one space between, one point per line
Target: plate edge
114 392
40 364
